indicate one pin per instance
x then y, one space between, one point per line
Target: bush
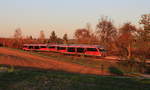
115 70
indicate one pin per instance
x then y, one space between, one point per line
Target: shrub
115 70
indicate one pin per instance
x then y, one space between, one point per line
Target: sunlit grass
85 61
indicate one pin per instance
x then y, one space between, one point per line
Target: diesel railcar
78 49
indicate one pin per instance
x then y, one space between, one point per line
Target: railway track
114 59
95 58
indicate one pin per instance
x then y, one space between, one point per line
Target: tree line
127 40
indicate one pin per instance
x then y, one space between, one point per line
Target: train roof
35 44
67 45
76 45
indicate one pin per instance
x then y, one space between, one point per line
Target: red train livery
35 47
79 49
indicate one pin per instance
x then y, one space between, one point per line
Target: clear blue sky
64 16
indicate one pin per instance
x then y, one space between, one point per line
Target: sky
65 16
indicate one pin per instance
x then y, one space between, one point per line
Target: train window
36 47
71 49
61 48
91 49
58 48
30 47
43 46
80 50
51 47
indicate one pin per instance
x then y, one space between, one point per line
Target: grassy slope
58 80
90 62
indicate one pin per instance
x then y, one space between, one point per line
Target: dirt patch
18 58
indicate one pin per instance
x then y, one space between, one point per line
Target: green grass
58 80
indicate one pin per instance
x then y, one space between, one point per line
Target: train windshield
92 49
102 50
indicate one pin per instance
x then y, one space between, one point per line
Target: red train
89 50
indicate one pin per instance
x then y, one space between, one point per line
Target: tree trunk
129 51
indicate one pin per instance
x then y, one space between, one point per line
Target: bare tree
106 31
30 37
145 21
82 35
18 33
88 27
144 35
18 40
92 36
126 38
42 36
65 38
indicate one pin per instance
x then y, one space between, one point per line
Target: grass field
29 59
24 79
91 62
13 78
85 61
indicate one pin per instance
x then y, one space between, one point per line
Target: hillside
24 59
33 71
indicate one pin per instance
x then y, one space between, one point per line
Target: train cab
92 50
